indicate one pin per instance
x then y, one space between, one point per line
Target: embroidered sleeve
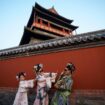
69 84
30 83
53 77
27 84
66 85
23 84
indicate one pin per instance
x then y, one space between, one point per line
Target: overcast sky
89 15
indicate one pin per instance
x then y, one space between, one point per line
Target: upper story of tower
46 24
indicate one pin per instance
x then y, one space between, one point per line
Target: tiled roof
53 10
85 39
51 13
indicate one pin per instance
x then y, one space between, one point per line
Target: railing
51 29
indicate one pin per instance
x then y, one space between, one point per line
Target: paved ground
7 97
77 98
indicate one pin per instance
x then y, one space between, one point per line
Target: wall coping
84 40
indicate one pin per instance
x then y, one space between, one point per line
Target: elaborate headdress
19 74
38 67
70 67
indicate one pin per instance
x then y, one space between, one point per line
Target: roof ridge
53 10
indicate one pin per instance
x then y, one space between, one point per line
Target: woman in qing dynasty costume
21 96
44 81
64 86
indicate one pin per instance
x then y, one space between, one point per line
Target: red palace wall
89 62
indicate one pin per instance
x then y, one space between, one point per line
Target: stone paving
77 98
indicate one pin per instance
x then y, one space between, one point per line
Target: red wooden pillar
68 31
36 21
49 26
63 31
40 23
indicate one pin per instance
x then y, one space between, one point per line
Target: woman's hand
56 86
62 73
34 80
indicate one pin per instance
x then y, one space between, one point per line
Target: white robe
21 96
43 80
50 80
